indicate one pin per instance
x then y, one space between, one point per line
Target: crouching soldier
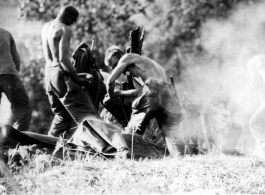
153 99
118 110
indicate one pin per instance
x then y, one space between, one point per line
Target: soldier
63 85
10 83
154 97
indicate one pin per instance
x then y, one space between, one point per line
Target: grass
89 173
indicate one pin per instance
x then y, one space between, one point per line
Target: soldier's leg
20 104
142 111
62 119
169 117
173 137
139 122
78 103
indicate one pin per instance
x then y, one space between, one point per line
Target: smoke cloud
229 44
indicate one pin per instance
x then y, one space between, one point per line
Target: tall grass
90 173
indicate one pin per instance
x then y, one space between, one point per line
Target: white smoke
229 44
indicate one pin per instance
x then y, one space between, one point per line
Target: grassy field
43 173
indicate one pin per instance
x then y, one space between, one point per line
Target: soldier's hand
89 77
83 81
117 93
106 99
85 76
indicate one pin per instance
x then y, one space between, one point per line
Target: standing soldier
10 83
63 85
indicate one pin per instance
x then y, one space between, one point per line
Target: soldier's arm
44 42
125 61
14 53
129 93
65 59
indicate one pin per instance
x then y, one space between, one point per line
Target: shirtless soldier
63 86
153 99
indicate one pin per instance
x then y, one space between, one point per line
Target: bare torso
145 68
52 34
141 68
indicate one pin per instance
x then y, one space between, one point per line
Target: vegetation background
174 29
203 44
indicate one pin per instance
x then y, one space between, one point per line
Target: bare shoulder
46 26
6 33
45 29
130 58
2 30
57 26
67 31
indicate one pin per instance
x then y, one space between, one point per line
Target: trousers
68 100
14 89
156 100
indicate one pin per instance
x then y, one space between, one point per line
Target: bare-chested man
153 99
256 67
64 87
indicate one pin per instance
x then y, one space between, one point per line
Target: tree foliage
172 27
33 79
176 24
108 21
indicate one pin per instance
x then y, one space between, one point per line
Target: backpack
85 63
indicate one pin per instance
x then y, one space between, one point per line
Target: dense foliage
33 79
107 21
172 27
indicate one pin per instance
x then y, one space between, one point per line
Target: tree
173 27
108 21
174 33
33 79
